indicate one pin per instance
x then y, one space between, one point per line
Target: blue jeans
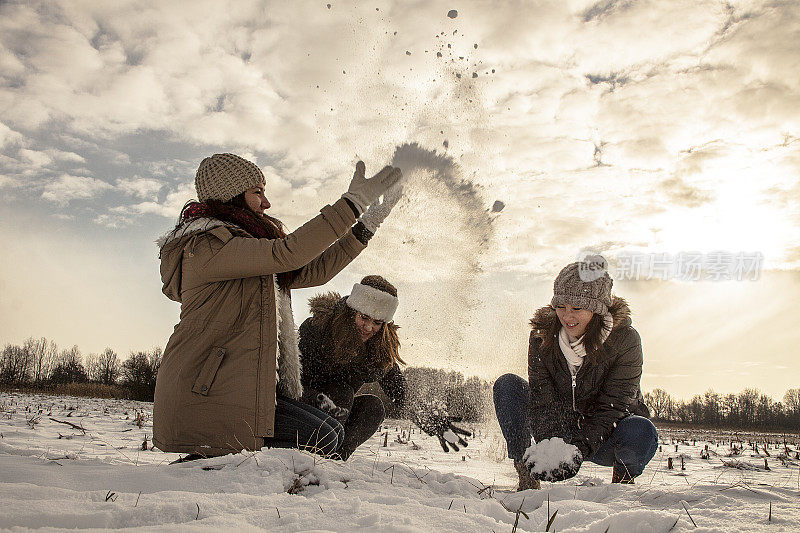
299 425
633 443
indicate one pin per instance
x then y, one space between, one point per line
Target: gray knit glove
379 210
362 192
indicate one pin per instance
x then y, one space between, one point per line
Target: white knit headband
372 302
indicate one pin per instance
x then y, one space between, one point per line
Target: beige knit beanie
580 285
223 176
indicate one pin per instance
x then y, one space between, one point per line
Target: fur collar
545 317
193 226
322 306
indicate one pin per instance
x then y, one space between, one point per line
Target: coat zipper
573 392
574 380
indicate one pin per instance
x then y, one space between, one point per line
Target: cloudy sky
530 132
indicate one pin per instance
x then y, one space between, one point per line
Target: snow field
55 476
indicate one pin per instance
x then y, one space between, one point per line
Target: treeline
469 399
40 364
750 409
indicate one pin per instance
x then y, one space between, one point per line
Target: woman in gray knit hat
230 375
584 368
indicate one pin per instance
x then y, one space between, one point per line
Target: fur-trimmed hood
193 226
545 318
171 249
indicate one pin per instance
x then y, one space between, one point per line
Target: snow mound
551 455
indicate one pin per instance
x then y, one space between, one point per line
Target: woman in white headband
353 340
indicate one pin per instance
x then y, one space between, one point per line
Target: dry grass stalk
552 519
518 512
391 480
33 420
79 428
687 512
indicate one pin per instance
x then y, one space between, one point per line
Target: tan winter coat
216 387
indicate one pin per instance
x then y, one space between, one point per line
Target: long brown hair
592 338
347 345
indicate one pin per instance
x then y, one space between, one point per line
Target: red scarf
248 221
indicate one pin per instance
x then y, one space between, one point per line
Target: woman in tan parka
230 375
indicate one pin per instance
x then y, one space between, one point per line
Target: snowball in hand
553 459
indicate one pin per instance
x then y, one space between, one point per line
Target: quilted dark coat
316 355
606 389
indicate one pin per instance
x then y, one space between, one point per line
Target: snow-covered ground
96 473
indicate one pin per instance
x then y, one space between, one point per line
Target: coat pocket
203 383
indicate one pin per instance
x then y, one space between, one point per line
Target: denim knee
509 384
640 443
328 438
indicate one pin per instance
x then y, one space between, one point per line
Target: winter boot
525 480
621 474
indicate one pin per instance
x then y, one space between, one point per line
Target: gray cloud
605 8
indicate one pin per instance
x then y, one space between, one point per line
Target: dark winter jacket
316 355
606 388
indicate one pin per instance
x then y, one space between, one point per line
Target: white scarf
575 351
287 365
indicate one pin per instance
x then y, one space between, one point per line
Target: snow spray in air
434 242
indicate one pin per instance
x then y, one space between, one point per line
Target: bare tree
660 402
792 401
110 367
748 400
92 367
38 349
12 364
139 373
69 368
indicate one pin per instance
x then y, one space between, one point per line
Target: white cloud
36 158
66 188
140 187
170 207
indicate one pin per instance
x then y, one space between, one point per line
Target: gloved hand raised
553 460
441 426
323 403
379 210
362 192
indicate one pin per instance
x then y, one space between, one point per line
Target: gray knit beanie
581 285
223 176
